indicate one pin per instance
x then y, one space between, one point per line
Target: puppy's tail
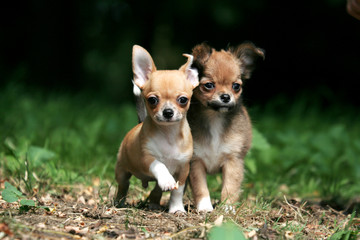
140 105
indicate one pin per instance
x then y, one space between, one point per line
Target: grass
313 151
301 149
78 134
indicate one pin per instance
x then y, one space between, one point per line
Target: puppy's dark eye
209 85
153 100
183 100
236 87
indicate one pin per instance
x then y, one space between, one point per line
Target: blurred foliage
299 148
63 138
87 45
315 149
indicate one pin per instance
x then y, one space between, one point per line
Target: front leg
176 199
232 176
164 179
199 186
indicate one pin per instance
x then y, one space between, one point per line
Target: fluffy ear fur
142 64
201 53
247 54
191 73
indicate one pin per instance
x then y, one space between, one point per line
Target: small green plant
10 194
227 231
347 233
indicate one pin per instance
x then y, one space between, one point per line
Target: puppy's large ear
247 54
191 73
142 65
201 53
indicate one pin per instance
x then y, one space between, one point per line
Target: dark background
311 46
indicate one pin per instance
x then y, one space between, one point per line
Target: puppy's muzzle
168 113
225 98
223 104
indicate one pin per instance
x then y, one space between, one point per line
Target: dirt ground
82 213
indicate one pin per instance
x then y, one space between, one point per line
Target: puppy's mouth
166 121
221 107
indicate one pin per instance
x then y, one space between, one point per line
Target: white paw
164 179
176 209
205 205
167 183
176 200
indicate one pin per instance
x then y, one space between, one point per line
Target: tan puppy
161 147
219 122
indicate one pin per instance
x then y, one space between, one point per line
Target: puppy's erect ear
201 53
247 54
191 73
142 65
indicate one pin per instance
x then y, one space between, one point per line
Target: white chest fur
212 149
168 150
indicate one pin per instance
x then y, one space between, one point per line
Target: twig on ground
185 230
296 209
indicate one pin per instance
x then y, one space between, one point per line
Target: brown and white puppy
219 122
161 147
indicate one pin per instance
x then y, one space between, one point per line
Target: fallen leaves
5 230
81 215
77 230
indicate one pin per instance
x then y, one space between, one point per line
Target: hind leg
155 197
122 178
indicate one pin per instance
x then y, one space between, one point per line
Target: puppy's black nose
225 98
168 113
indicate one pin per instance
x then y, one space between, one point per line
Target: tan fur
169 142
221 131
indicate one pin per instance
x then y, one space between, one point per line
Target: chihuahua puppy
219 122
159 148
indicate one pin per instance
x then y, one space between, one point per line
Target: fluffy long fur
219 122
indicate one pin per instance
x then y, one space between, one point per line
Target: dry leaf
219 220
202 234
88 191
289 235
84 210
61 215
79 218
84 231
251 235
81 200
41 225
47 199
91 202
5 229
68 198
103 229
